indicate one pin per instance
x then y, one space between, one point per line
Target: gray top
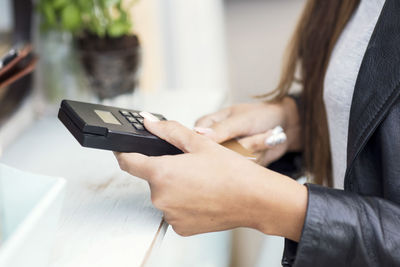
341 78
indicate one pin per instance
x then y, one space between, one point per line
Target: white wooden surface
107 218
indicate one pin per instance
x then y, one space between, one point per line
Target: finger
276 139
227 129
175 134
264 141
208 120
256 143
271 155
136 164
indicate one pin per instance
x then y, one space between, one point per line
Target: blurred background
154 54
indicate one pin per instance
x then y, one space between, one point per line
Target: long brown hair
308 55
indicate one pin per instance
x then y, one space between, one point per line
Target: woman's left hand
210 188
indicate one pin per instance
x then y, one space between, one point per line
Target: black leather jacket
360 226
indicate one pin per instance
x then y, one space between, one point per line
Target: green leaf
71 18
95 27
123 15
87 15
86 5
110 3
58 4
49 14
117 29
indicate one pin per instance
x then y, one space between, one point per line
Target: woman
347 123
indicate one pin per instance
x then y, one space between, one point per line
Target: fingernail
277 130
149 116
270 141
202 130
276 139
281 138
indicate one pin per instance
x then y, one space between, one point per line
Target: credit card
234 145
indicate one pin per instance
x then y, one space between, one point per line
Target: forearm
280 205
283 200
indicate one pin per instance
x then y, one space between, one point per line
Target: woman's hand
253 124
210 188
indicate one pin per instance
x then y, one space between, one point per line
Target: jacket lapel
378 83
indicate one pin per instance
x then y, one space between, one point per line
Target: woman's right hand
252 125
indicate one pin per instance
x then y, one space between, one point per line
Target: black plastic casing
91 131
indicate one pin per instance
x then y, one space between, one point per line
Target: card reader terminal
112 128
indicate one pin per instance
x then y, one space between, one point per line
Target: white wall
193 44
183 44
257 34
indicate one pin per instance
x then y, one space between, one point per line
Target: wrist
280 206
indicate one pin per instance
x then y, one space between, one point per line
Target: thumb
173 132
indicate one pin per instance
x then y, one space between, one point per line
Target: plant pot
110 63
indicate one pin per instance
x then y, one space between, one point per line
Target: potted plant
102 33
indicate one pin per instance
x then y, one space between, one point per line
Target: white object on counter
30 206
